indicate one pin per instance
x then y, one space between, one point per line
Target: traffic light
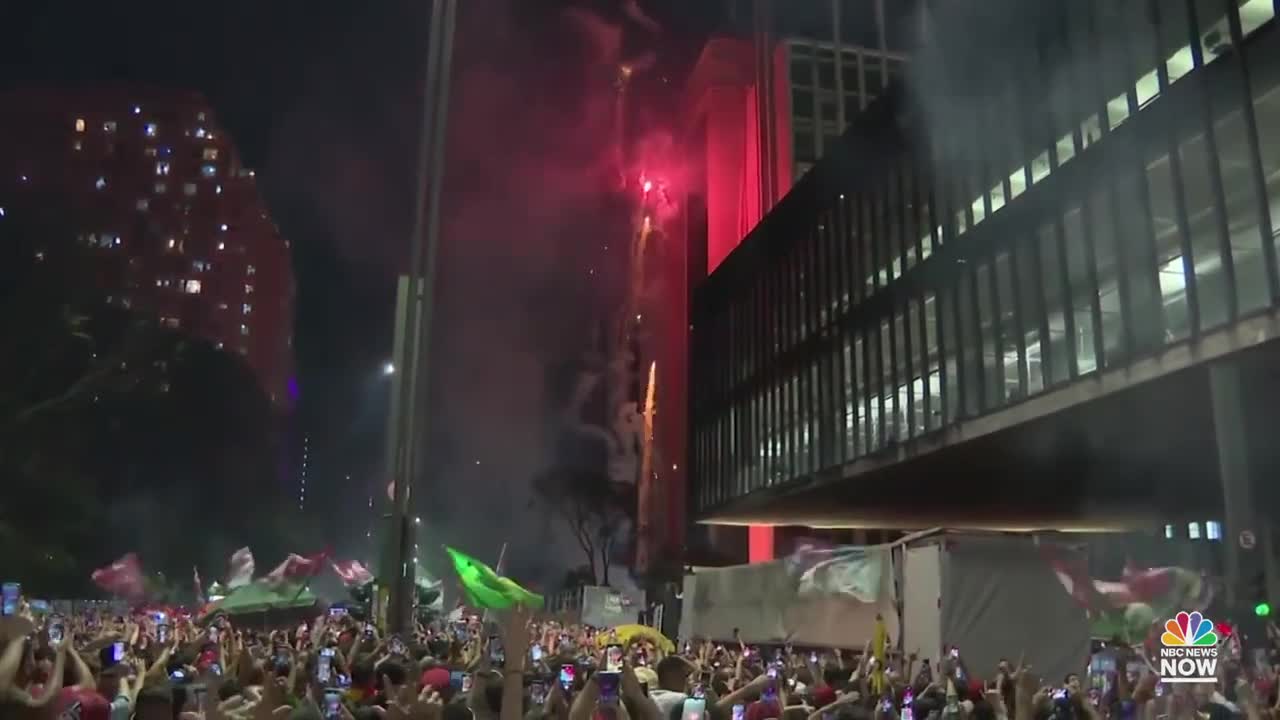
1258 595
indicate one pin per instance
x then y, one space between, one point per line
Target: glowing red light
648 185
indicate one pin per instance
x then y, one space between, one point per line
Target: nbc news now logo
1189 649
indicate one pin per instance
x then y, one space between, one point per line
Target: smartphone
642 659
117 652
908 697
198 693
567 674
609 683
955 652
324 666
466 683
178 674
213 633
693 709
739 712
332 705
216 668
699 692
613 658
162 634
496 654
55 630
396 646
337 612
10 596
535 652
772 671
813 658
1060 695
886 705
538 694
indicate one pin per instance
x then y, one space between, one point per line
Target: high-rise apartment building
152 185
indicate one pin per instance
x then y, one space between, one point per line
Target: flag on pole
240 571
297 567
352 572
484 588
122 577
195 580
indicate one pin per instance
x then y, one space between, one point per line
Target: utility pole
416 331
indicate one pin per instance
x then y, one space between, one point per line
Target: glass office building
1102 187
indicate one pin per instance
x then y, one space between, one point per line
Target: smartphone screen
332 706
324 666
117 652
609 682
567 673
216 668
10 593
396 646
466 683
496 655
537 694
699 692
739 712
162 634
535 652
213 633
613 658
55 630
693 709
955 652
772 671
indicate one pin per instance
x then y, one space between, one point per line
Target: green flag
487 589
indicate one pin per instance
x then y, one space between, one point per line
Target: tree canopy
116 433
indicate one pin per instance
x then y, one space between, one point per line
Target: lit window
143 204
78 145
208 171
1213 530
79 124
117 241
1 212
217 190
188 189
192 287
137 110
222 306
246 309
199 265
101 183
172 243
1168 532
200 116
251 270
211 153
171 322
149 152
218 345
248 289
200 132
161 188
162 167
244 329
109 126
222 246
150 129
1193 530
223 227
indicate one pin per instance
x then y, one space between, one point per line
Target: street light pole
423 242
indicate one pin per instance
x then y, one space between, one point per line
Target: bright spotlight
389 369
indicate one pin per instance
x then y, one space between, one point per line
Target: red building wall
156 189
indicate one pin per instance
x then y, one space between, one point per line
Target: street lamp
389 368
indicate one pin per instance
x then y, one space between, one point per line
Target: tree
594 509
117 433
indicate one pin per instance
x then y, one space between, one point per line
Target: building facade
763 103
1086 204
154 187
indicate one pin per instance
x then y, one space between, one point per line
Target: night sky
323 98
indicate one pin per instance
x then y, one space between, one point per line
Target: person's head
109 681
154 703
1072 682
673 673
393 671
362 673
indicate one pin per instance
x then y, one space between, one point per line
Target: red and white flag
297 567
241 569
352 572
122 577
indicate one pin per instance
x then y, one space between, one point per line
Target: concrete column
1227 398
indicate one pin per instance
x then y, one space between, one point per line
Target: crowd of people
150 666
